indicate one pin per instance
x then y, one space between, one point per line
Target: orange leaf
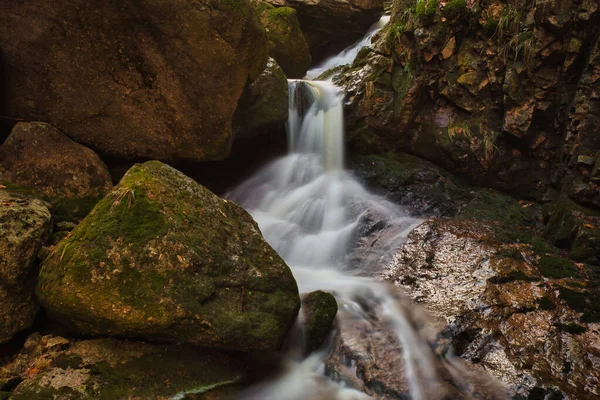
589 226
2 187
32 372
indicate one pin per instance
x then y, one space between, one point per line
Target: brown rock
149 79
39 157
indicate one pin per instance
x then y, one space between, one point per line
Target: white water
348 55
310 210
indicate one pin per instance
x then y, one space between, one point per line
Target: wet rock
318 310
333 24
40 158
111 369
264 104
479 98
418 185
149 80
163 258
287 43
25 225
523 312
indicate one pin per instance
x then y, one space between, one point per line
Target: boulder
318 310
264 104
162 258
25 225
53 368
333 24
40 158
287 43
512 308
136 80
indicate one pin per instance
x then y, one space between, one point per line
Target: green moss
4 395
426 9
320 309
557 267
586 246
454 8
586 302
546 303
13 188
541 246
73 210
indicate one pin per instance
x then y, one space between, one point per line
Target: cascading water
312 212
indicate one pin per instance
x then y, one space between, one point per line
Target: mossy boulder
287 43
108 369
137 80
264 104
161 257
70 176
25 225
318 310
330 25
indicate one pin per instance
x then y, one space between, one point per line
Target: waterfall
312 212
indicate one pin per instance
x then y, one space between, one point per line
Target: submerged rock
264 104
72 177
287 43
53 368
163 258
318 310
136 80
25 225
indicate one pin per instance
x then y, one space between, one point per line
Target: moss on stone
426 9
161 257
454 8
586 302
557 267
320 309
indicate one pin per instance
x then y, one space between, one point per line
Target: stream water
312 212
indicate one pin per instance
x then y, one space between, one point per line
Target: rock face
264 104
25 224
163 258
495 91
53 368
522 311
148 79
40 158
287 43
332 24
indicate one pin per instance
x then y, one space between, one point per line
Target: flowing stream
313 213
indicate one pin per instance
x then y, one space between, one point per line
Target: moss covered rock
319 309
138 80
53 368
161 257
264 104
40 158
25 225
287 43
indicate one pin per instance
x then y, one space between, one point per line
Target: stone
318 310
585 160
40 158
287 43
508 307
25 225
449 49
333 24
264 104
150 80
162 258
119 369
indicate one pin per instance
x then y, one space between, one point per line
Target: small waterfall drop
313 213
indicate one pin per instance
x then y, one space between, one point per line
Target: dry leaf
589 226
2 187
